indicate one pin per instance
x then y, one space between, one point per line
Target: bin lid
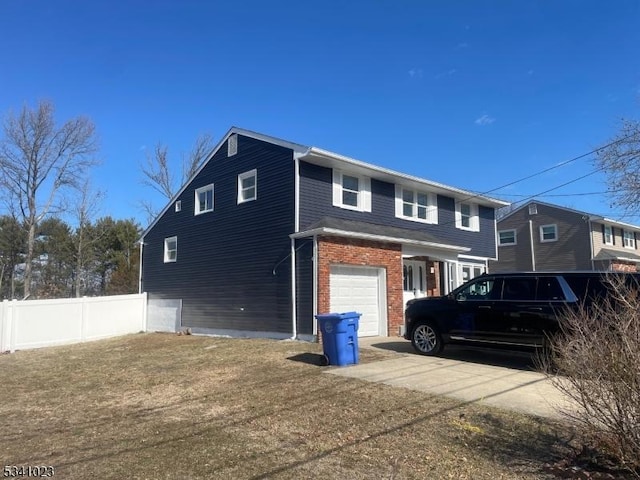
337 316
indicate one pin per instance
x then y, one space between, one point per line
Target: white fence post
144 311
83 324
13 324
3 326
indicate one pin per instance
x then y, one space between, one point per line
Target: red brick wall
618 266
347 251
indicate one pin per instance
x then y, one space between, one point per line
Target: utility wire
561 164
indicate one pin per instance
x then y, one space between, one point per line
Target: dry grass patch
155 406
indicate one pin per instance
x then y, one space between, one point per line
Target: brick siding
347 251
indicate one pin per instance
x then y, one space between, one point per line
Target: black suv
512 310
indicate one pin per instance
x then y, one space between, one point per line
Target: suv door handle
484 306
536 309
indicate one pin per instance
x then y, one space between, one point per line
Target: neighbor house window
467 216
416 205
352 192
170 249
548 233
607 232
629 239
247 186
204 199
507 237
178 205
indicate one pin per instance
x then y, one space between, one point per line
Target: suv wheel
426 339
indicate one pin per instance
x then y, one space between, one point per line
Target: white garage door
359 289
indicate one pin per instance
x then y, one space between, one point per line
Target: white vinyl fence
42 323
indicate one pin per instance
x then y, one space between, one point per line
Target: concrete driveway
498 378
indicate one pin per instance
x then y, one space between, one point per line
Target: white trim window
170 249
416 205
248 186
178 205
352 192
629 239
507 237
607 233
548 233
467 216
204 199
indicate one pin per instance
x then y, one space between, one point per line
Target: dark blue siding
316 196
233 268
304 286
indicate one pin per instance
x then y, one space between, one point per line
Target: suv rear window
549 289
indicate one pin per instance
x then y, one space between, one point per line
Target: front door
414 281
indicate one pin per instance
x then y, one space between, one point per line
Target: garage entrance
360 289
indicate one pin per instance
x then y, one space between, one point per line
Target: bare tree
85 210
620 160
158 173
38 161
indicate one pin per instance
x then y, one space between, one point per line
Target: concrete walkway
500 379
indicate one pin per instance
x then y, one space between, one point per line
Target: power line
576 194
561 164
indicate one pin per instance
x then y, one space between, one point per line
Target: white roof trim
616 223
617 257
465 194
379 238
303 152
297 149
592 217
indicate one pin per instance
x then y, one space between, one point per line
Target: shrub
595 361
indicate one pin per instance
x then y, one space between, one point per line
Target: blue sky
474 94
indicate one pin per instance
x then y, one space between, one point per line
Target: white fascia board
393 176
298 150
378 238
616 223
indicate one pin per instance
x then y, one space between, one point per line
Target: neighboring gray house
269 233
542 236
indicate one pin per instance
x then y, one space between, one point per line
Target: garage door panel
358 289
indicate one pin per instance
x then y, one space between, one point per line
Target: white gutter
533 254
444 189
379 238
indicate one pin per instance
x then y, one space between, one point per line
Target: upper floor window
629 239
607 233
178 205
204 199
506 237
467 216
170 249
548 233
351 191
416 205
247 186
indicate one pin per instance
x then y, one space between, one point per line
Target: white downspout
533 254
314 331
296 216
294 326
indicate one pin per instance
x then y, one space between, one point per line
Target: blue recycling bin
340 337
